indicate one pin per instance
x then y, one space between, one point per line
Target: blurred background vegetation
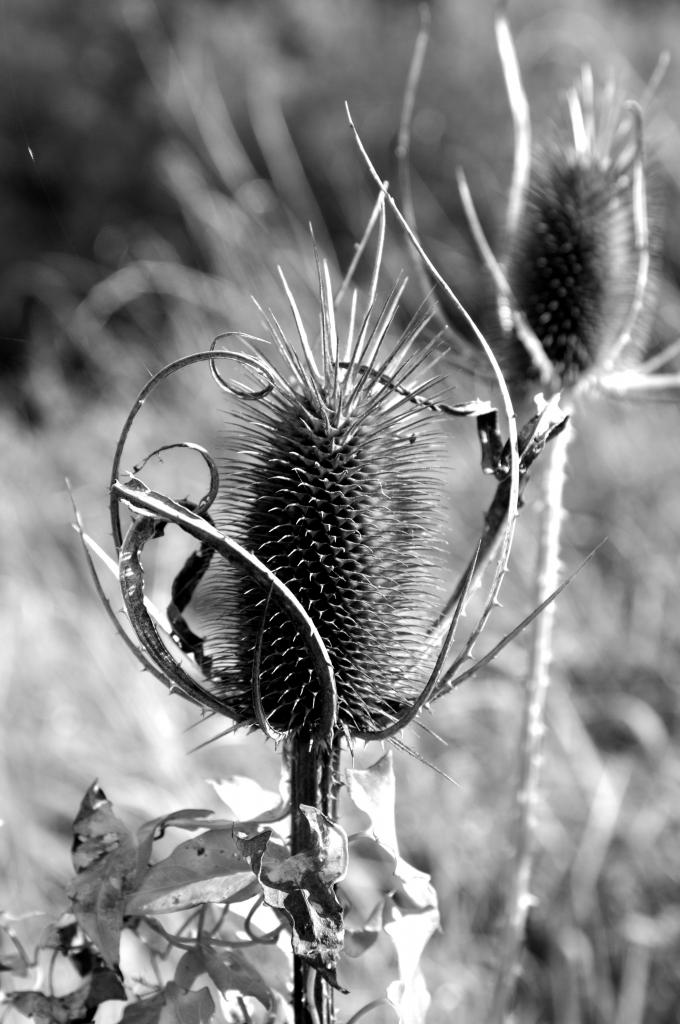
157 160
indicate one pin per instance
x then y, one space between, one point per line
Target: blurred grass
182 193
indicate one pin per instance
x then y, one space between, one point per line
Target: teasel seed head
580 249
331 479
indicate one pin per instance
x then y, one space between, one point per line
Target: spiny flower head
308 604
579 255
335 492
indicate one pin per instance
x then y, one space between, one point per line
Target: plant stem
314 782
533 729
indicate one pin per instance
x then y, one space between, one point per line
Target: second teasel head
578 262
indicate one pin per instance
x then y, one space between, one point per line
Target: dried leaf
97 831
105 858
247 800
318 936
229 970
154 829
303 886
98 897
410 1003
415 914
410 933
373 790
323 863
253 848
206 869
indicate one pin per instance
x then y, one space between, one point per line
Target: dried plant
574 288
307 611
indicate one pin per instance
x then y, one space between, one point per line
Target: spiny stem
314 782
533 730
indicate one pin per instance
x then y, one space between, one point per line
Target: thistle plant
308 611
311 609
573 290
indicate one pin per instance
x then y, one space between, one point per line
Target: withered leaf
228 969
105 859
413 904
303 886
189 819
248 800
97 831
206 869
373 791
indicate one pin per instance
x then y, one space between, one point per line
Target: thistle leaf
373 791
415 914
97 831
248 800
303 887
228 969
105 859
187 819
411 1002
206 869
410 933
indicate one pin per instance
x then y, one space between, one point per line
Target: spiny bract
332 482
